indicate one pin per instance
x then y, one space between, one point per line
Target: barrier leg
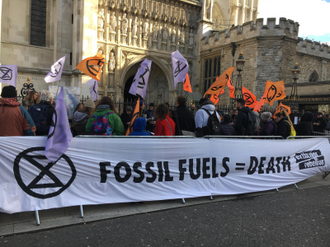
296 186
325 174
277 190
37 217
183 201
211 197
81 211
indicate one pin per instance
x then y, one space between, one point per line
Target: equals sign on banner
239 166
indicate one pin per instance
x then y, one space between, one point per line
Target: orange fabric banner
260 104
282 107
220 83
215 98
231 88
250 98
274 91
92 66
136 114
187 85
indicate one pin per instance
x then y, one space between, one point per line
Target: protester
268 127
15 120
328 125
305 127
202 117
319 124
80 106
151 118
193 109
165 126
139 127
80 118
226 128
42 113
126 117
242 118
233 114
109 122
183 118
31 99
283 124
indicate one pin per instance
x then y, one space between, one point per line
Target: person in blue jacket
139 127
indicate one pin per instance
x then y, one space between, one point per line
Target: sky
313 16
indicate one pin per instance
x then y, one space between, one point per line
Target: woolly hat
9 92
89 103
205 101
265 116
129 108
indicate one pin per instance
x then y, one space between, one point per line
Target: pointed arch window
314 77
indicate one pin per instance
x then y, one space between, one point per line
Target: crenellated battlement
313 48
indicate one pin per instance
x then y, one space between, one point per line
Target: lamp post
239 67
293 99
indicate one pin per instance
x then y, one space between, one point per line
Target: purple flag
140 81
8 74
93 89
180 67
56 70
59 135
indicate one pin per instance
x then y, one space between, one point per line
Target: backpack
38 113
253 123
101 126
213 124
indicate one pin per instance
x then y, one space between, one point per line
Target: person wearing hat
202 116
268 126
15 119
126 117
151 118
80 118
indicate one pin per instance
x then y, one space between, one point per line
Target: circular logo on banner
6 74
34 186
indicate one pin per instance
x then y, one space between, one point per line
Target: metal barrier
184 137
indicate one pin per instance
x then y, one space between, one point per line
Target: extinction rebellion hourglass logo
37 178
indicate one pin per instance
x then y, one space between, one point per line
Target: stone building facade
209 33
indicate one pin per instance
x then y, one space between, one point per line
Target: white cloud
313 16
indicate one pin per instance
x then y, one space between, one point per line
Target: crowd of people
34 117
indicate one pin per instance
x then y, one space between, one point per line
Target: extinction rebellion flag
140 82
180 67
8 74
92 66
56 70
220 83
93 89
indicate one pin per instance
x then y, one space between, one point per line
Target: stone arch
313 77
162 64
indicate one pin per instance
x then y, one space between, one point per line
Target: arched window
38 22
313 77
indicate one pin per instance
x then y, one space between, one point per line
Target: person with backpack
15 119
42 113
283 124
207 120
105 120
247 121
268 127
165 126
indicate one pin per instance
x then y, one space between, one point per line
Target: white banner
8 74
117 170
140 82
56 70
180 67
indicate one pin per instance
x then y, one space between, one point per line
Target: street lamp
293 99
239 67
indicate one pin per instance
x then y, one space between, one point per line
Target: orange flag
274 91
187 85
260 104
136 114
250 98
92 66
231 88
220 83
282 107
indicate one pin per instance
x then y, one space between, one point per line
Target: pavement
21 223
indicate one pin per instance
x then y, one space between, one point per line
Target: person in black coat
305 127
268 127
126 117
183 118
319 124
242 118
226 128
283 125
